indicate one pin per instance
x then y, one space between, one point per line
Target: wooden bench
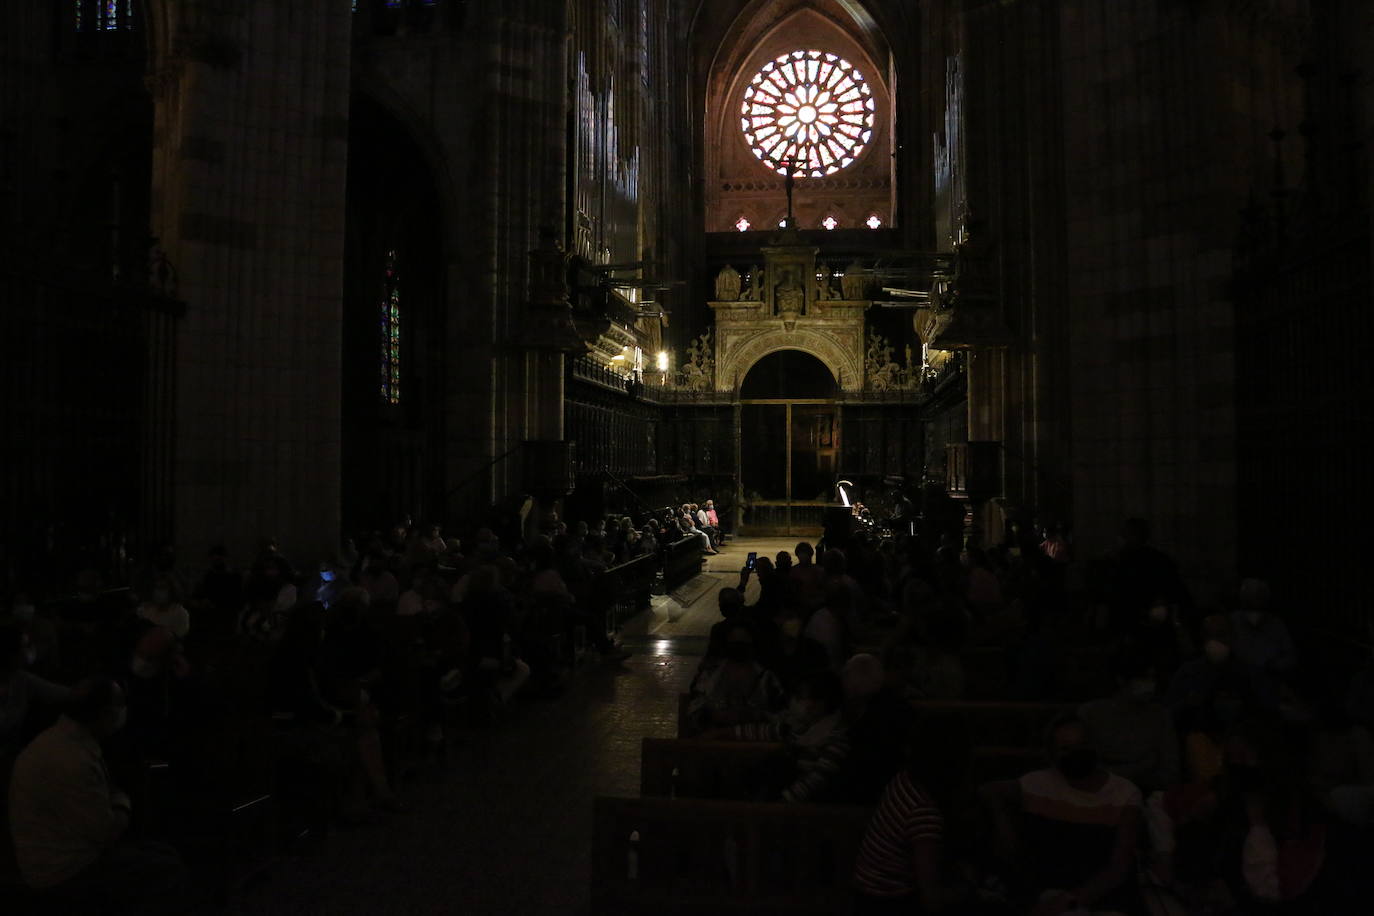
676 856
693 768
627 587
682 560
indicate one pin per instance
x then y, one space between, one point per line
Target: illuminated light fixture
742 224
844 493
873 222
662 360
830 222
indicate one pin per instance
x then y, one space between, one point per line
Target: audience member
69 823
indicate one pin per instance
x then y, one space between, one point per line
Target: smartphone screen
749 563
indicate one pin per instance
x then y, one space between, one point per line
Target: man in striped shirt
898 869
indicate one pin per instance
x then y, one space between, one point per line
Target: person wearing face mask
878 719
1072 828
735 690
1133 732
164 610
1259 638
813 729
44 647
20 691
68 822
1217 687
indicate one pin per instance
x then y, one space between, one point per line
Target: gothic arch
394 103
734 178
843 358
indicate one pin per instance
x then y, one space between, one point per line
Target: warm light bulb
662 360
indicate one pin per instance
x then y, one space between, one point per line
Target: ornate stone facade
796 306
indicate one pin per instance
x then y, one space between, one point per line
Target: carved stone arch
843 358
420 130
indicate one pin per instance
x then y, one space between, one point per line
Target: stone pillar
248 201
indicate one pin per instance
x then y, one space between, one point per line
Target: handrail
466 481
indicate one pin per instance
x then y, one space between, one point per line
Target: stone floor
505 826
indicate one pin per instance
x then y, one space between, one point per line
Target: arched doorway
789 443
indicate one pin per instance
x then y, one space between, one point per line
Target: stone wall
1165 112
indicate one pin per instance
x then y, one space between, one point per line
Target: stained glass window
103 15
742 224
807 112
830 222
390 337
873 222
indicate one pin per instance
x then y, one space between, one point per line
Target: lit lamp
844 492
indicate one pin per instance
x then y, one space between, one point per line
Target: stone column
248 201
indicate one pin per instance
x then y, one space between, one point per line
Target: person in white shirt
68 822
164 610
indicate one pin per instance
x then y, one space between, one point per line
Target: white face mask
1140 689
1216 651
142 668
22 613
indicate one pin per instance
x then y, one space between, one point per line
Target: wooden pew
705 769
675 856
628 587
682 560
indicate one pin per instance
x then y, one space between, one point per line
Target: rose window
808 113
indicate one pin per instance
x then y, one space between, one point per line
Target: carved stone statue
853 282
755 291
727 284
789 297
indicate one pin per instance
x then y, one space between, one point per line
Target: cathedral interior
922 280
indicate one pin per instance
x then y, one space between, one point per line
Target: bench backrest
692 768
695 856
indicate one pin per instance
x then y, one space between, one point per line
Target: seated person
814 731
1070 828
1259 637
1132 731
788 653
68 822
879 721
901 860
735 691
1218 687
20 690
164 610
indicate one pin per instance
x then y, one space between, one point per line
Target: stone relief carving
699 371
881 372
840 351
727 284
